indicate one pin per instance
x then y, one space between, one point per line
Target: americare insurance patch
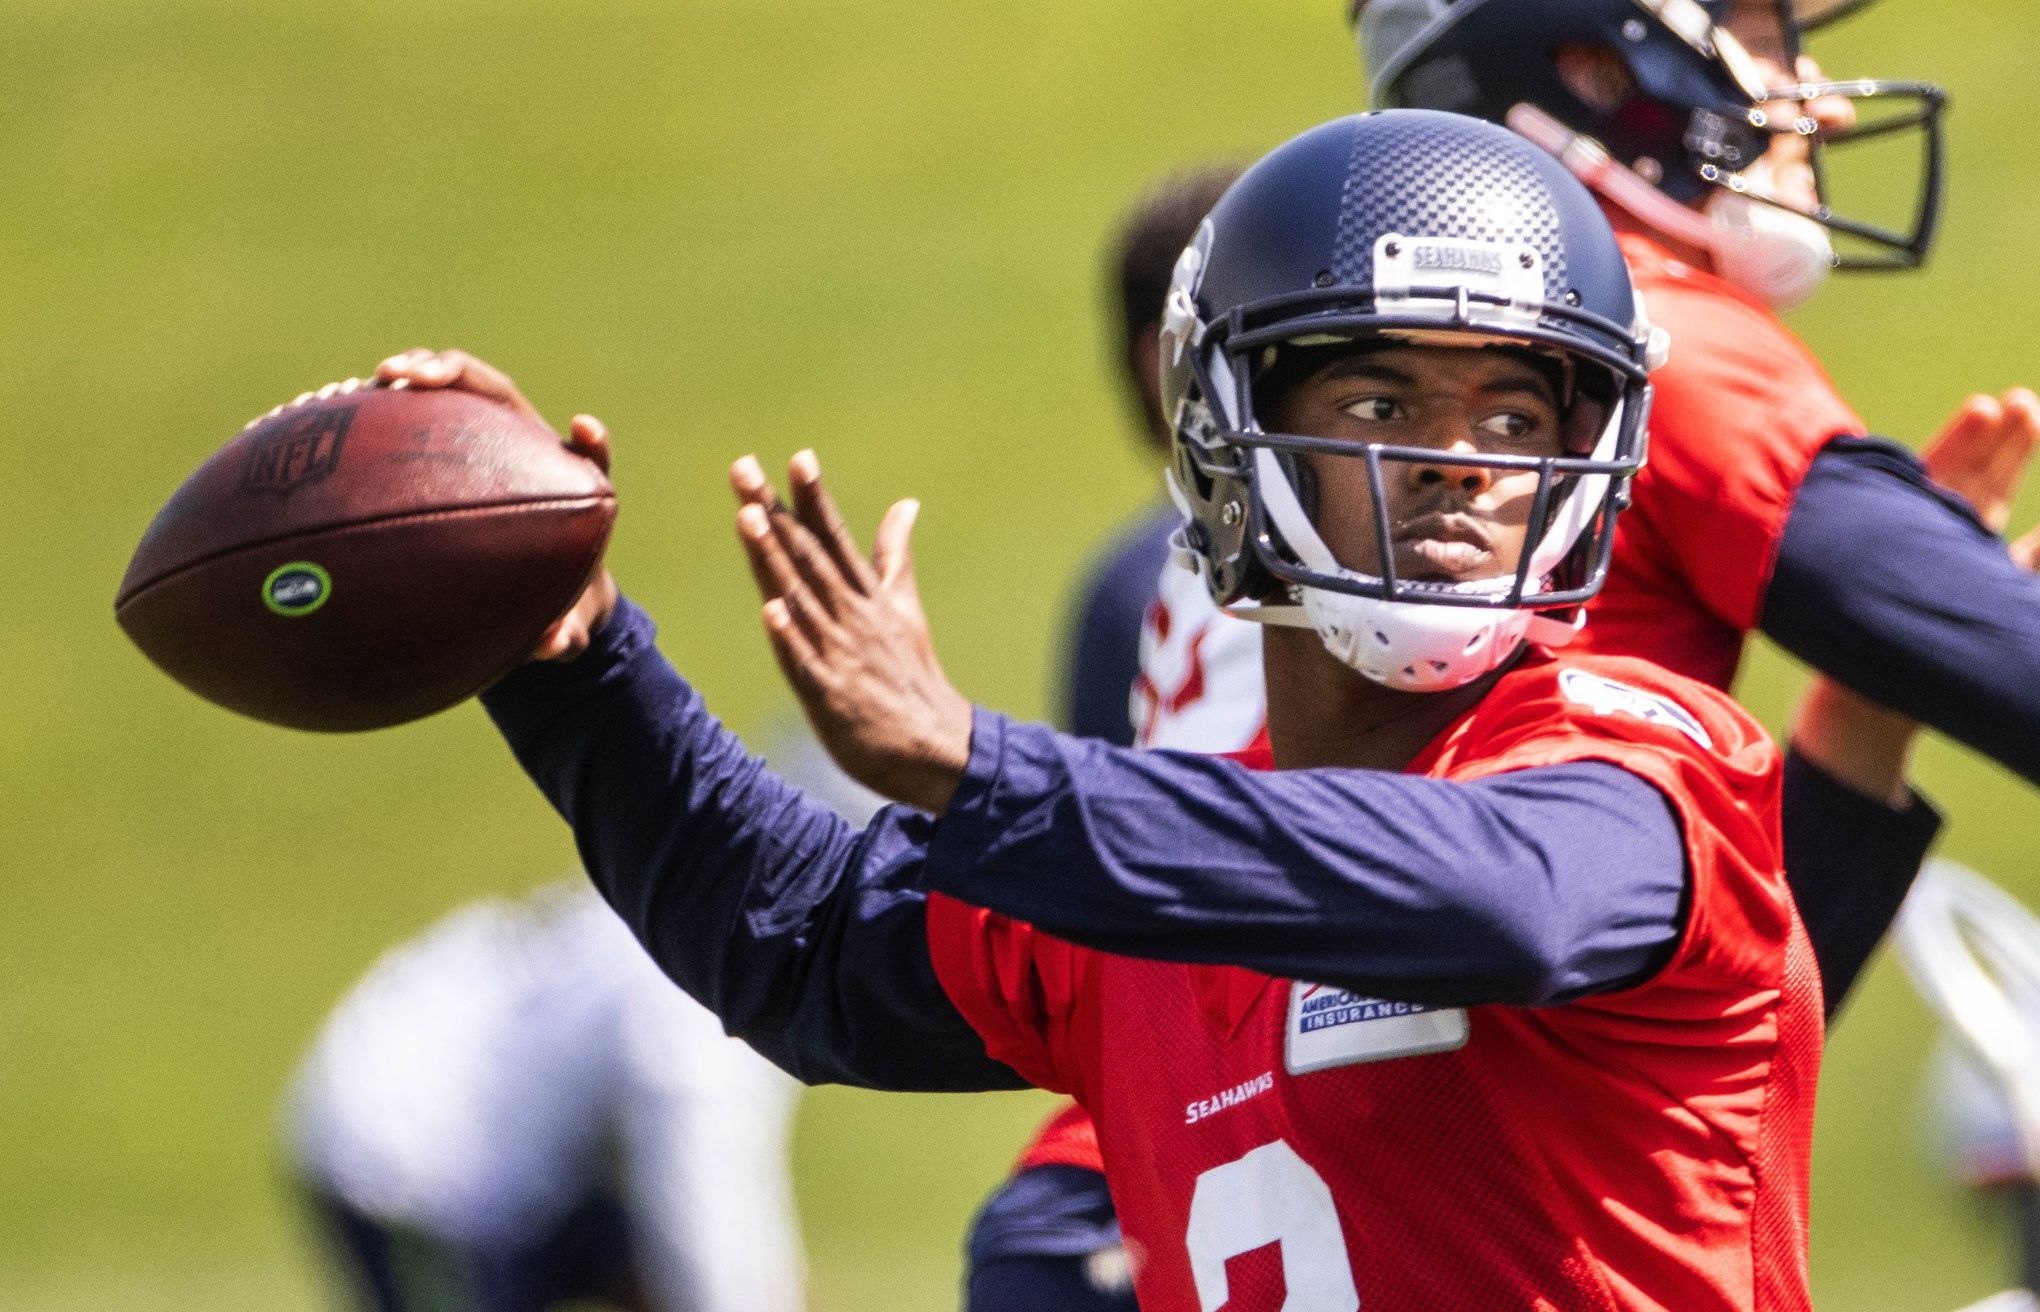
1334 1027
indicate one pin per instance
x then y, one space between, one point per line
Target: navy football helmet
1401 228
1693 117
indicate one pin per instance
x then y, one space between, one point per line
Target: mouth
1443 548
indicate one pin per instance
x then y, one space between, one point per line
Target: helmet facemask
1846 140
1692 117
1433 592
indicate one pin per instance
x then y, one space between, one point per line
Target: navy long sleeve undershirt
808 938
1531 887
1850 860
1891 586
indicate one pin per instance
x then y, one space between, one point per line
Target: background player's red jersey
1066 1138
1641 1149
1737 415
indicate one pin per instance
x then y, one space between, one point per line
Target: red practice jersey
1738 413
1275 1144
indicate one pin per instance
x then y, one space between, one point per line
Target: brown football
365 558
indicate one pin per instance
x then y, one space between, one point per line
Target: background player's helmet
1690 122
1402 227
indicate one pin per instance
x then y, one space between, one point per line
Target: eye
1511 426
1377 409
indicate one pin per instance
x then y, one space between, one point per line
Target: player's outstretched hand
1981 455
586 435
851 637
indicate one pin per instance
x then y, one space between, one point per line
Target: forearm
1850 857
1533 887
806 937
1862 746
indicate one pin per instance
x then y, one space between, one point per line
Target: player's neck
1321 712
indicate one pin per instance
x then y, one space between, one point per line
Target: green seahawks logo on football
298 588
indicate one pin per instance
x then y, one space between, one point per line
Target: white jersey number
1270 1196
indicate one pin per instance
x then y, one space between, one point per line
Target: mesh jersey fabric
1641 1149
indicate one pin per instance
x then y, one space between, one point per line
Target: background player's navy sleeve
1890 586
808 938
1535 886
1104 648
1850 860
1031 1244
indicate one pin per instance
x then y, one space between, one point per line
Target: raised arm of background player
809 938
1848 801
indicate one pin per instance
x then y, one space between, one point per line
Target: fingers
2018 431
433 369
817 512
330 390
891 552
807 541
798 660
1982 452
813 563
747 479
565 638
1957 449
792 572
813 508
2022 418
588 436
754 531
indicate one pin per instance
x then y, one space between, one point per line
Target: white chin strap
1413 646
1775 255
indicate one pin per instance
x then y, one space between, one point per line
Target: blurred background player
1101 653
1715 145
516 1111
1972 951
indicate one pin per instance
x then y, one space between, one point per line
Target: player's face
1449 522
1760 26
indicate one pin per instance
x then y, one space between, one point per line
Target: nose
1441 471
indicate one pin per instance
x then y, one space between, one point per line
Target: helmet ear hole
1588 410
1581 429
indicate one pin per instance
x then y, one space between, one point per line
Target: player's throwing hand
851 637
424 369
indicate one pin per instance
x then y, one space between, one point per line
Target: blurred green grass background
723 225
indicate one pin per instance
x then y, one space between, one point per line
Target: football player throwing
1497 960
